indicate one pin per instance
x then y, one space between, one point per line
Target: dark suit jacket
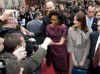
93 37
93 40
46 21
94 24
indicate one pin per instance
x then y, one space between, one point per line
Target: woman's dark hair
11 41
59 15
80 16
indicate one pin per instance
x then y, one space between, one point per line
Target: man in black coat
95 40
91 19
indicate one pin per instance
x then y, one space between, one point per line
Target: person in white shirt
91 20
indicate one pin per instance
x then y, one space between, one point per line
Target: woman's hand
81 63
61 42
20 53
75 64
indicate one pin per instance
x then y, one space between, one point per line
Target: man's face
49 8
91 11
40 16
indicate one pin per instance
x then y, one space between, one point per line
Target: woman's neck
54 25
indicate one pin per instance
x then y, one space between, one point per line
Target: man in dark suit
95 40
91 20
50 6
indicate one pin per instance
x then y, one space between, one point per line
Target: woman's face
54 20
76 22
40 16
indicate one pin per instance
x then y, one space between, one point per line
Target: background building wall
1 4
20 3
11 3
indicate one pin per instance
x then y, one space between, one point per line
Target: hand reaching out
46 42
20 53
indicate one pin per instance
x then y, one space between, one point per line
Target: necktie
96 57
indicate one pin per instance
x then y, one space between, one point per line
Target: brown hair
80 16
11 41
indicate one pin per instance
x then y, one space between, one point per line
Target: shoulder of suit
95 19
94 33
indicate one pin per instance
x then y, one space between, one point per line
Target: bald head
50 6
50 3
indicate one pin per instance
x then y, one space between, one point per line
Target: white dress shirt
89 21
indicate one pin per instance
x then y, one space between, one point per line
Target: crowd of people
64 35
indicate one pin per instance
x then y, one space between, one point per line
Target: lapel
94 39
96 36
94 24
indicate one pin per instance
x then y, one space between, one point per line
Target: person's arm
85 53
71 47
32 63
63 37
25 31
61 42
74 60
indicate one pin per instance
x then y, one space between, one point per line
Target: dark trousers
94 70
